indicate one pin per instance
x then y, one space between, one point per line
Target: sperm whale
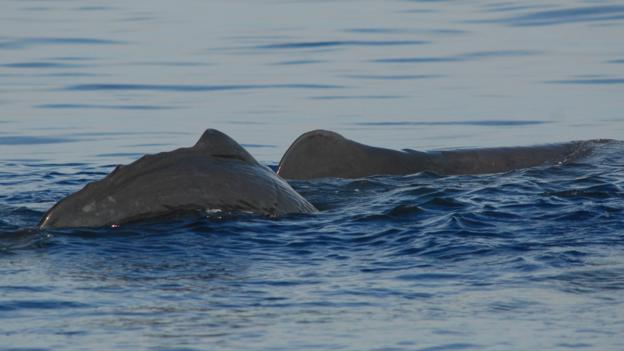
322 153
216 173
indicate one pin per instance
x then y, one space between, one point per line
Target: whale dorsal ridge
313 139
218 144
317 154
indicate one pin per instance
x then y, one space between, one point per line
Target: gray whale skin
216 173
321 153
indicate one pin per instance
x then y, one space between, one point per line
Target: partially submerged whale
322 153
215 174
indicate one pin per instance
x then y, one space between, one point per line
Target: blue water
526 260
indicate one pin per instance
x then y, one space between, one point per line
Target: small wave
339 43
588 281
394 77
602 191
594 81
399 212
356 97
486 123
43 41
509 7
299 62
32 140
566 16
19 305
429 276
468 56
41 64
379 30
103 107
258 146
94 8
13 238
194 88
121 154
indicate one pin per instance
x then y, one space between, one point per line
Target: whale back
504 159
322 153
214 174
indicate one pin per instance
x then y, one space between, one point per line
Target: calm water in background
525 260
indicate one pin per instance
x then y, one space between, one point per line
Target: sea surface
531 259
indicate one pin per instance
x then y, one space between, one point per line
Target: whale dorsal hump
219 145
317 154
311 144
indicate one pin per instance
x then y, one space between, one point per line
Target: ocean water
524 260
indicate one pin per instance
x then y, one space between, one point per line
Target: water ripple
32 140
592 81
566 16
485 123
41 64
339 43
21 305
299 62
24 43
377 30
394 77
103 107
195 88
469 56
